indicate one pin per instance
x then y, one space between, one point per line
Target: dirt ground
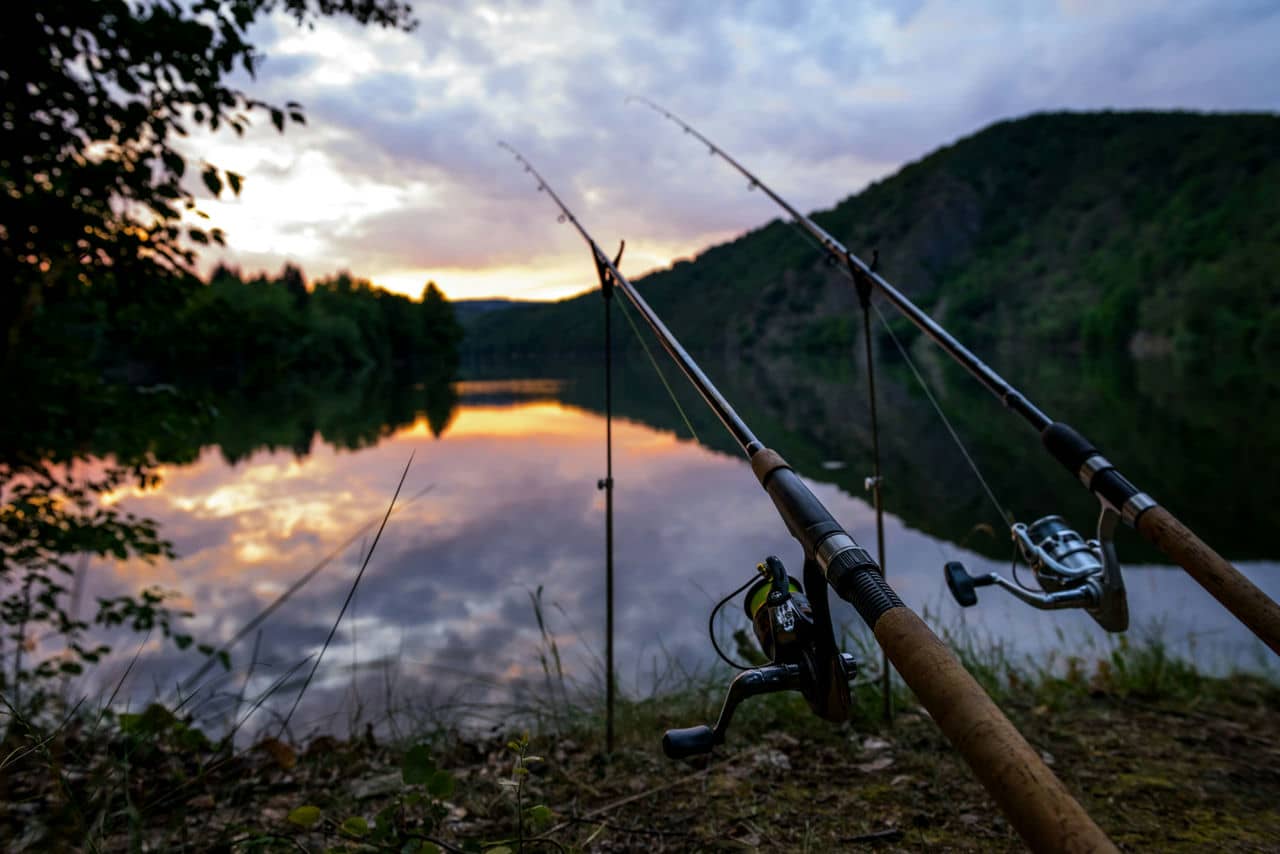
1190 775
1155 779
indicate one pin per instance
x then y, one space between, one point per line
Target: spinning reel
1072 572
795 633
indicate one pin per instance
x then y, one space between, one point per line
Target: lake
501 501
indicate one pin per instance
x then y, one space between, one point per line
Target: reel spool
1072 572
778 610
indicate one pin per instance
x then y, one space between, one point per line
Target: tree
295 283
441 331
93 95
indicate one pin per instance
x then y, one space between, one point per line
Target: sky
397 176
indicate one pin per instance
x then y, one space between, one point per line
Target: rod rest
695 740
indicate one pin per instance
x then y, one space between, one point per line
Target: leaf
174 163
235 180
305 816
540 815
384 823
211 180
282 753
501 849
417 767
277 119
182 641
355 826
441 784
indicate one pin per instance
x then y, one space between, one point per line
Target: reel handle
691 741
962 585
695 740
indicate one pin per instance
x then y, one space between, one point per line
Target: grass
1162 756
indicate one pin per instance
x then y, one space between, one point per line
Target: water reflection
443 614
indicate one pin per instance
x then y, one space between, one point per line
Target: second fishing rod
1120 499
1033 799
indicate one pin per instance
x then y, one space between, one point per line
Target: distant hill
1148 233
467 310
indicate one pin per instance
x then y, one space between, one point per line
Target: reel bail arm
1072 573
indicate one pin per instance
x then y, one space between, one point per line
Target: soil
1189 775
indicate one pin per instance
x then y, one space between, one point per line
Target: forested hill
1153 233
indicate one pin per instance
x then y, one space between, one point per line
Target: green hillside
1149 233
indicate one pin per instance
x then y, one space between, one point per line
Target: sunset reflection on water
444 609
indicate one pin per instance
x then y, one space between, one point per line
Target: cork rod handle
1034 800
1224 582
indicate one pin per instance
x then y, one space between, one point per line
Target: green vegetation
1162 757
127 378
256 333
1105 233
96 93
112 352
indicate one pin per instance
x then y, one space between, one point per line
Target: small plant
405 825
536 817
49 515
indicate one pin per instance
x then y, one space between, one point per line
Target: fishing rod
1072 572
800 641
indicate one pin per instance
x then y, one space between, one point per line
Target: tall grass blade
293 588
347 602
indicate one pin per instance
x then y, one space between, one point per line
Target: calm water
443 618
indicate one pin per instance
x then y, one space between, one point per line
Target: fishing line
658 370
1004 515
1000 511
711 626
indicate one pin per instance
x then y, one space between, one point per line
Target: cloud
819 98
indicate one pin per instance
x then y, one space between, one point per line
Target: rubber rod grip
1224 582
1034 801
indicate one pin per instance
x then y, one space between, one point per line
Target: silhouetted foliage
133 376
93 94
111 350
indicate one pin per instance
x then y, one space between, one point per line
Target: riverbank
1162 758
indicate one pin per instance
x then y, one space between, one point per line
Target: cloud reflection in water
444 609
